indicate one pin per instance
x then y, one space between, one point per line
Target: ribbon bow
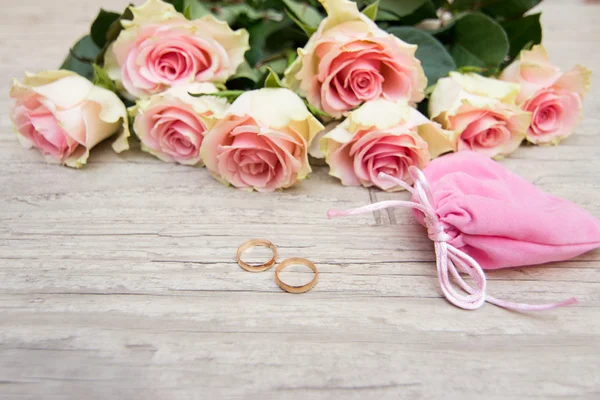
450 260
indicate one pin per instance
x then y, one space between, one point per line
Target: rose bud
482 113
554 98
382 137
160 48
64 116
171 125
262 141
350 60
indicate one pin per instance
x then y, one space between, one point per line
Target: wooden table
118 281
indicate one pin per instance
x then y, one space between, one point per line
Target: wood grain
119 281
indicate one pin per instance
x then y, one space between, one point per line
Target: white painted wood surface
119 282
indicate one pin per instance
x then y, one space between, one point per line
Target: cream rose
171 125
482 113
160 48
64 116
315 150
382 137
554 98
350 60
262 141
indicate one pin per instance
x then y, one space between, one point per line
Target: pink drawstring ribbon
450 260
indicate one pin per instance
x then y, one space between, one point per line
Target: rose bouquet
247 88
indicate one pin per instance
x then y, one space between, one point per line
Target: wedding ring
295 261
254 243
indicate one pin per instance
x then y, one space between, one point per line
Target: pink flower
495 131
171 125
481 112
262 141
350 60
160 48
64 116
382 136
554 98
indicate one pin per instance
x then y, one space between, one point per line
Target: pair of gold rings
282 265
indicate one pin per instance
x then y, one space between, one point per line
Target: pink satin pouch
500 219
482 216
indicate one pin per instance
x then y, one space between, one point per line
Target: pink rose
495 131
64 116
350 60
160 48
262 141
554 98
382 136
481 112
171 125
555 114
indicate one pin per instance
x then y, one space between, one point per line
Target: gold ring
254 243
296 289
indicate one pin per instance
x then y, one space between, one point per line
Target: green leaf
439 3
273 80
522 32
270 40
231 13
100 26
470 69
245 71
425 11
317 112
371 10
462 5
277 62
304 11
435 59
194 9
178 4
227 94
259 33
115 28
507 9
113 32
383 16
102 79
309 30
478 41
81 57
400 8
304 15
292 55
279 65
